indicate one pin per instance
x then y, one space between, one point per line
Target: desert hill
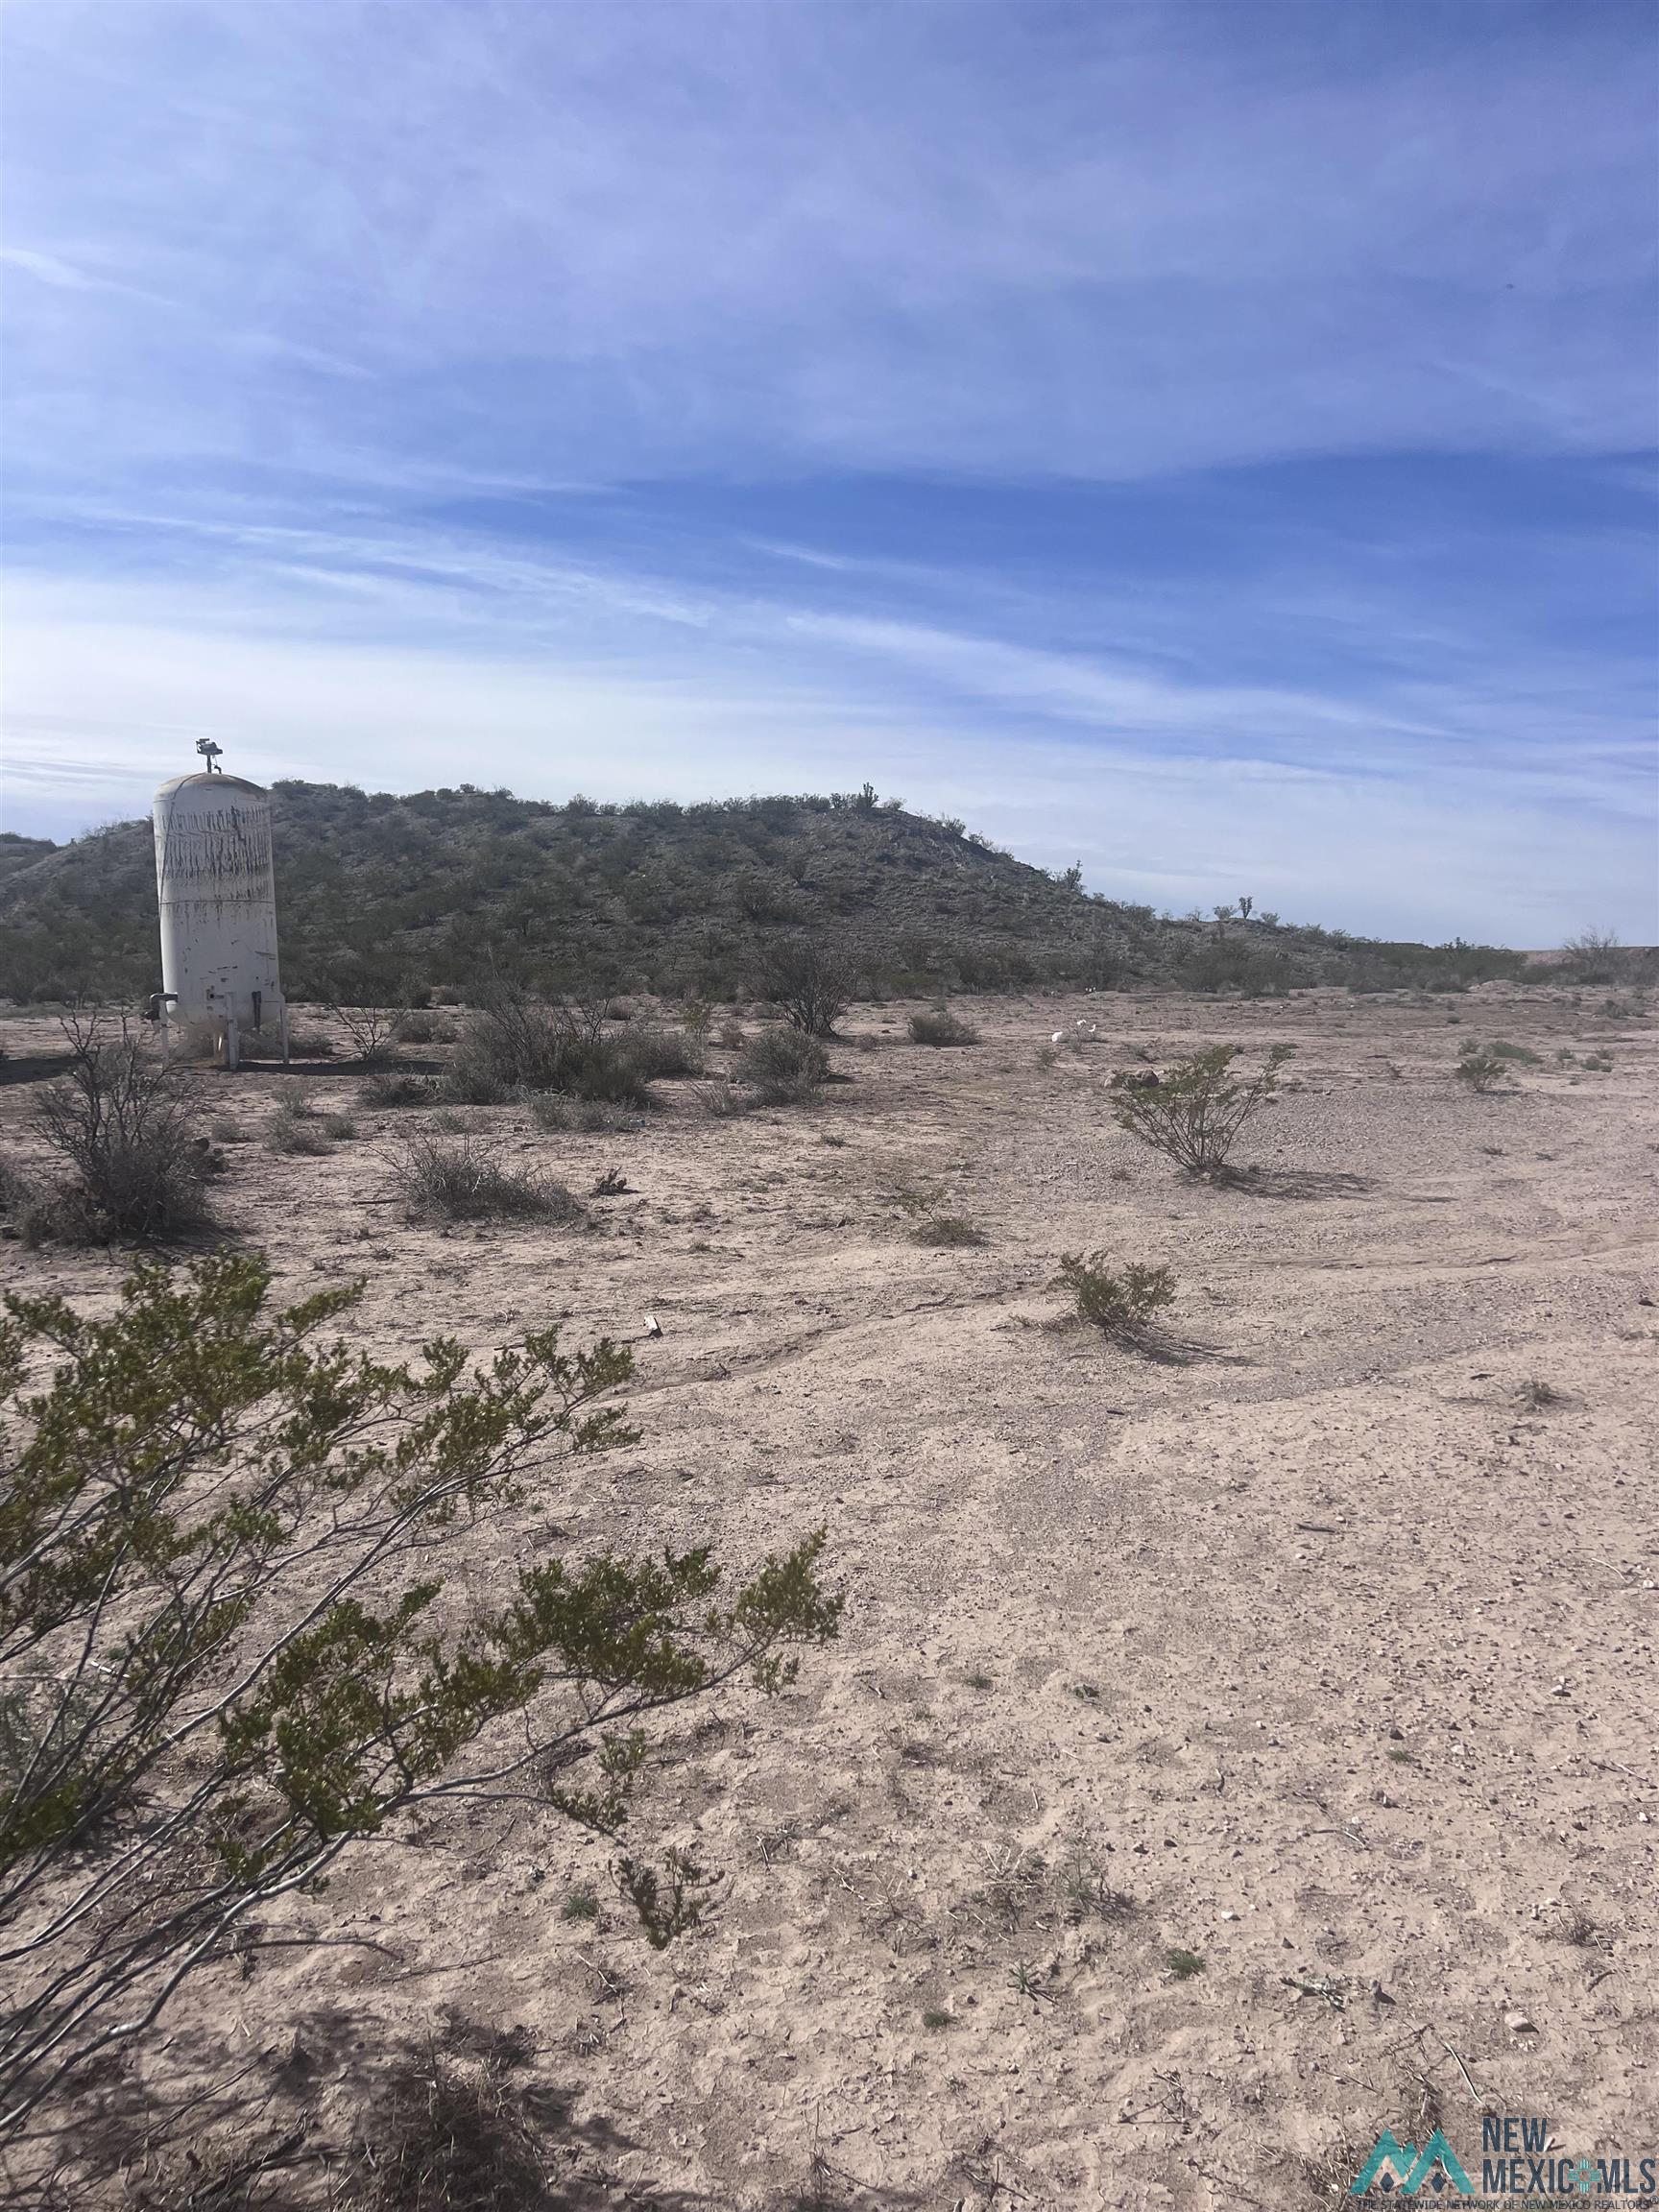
381 896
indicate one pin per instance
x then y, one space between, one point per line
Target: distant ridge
382 896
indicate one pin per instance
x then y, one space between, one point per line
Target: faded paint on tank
217 893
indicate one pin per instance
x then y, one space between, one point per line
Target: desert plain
1235 1747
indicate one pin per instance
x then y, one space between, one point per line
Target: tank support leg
230 1060
282 1028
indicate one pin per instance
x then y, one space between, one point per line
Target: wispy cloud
1206 437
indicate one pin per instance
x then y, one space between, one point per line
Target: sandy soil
1317 1650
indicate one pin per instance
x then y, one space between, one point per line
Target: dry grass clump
465 1179
782 1067
946 1229
393 1088
1121 1302
447 2134
938 1025
298 1127
551 1110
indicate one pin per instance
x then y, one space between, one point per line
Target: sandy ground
1317 1651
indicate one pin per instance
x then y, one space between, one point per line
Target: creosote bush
121 1122
374 1032
517 1044
1195 1111
465 1178
1120 1301
938 1025
229 1648
810 980
782 1065
1480 1069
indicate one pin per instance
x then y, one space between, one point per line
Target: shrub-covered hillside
380 896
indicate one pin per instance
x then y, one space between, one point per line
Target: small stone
1518 2024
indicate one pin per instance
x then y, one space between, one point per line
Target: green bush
1122 1301
1480 1069
782 1065
1195 1111
938 1025
228 1650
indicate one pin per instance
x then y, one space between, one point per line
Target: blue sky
1212 442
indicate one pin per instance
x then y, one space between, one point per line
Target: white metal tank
218 898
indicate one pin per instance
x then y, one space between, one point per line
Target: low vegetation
120 1123
938 1025
298 1126
186 1670
809 980
468 1178
1121 1301
1479 1069
782 1067
1195 1111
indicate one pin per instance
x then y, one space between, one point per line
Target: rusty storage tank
218 898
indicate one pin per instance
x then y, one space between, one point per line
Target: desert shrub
723 1099
946 1229
1479 1069
185 1667
518 1045
295 1126
374 1032
465 1179
392 1089
419 1027
1600 1063
653 1051
782 1065
121 1122
1120 1301
1595 956
551 1110
1193 1113
810 980
938 1025
513 1043
30 1212
305 1043
732 1036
